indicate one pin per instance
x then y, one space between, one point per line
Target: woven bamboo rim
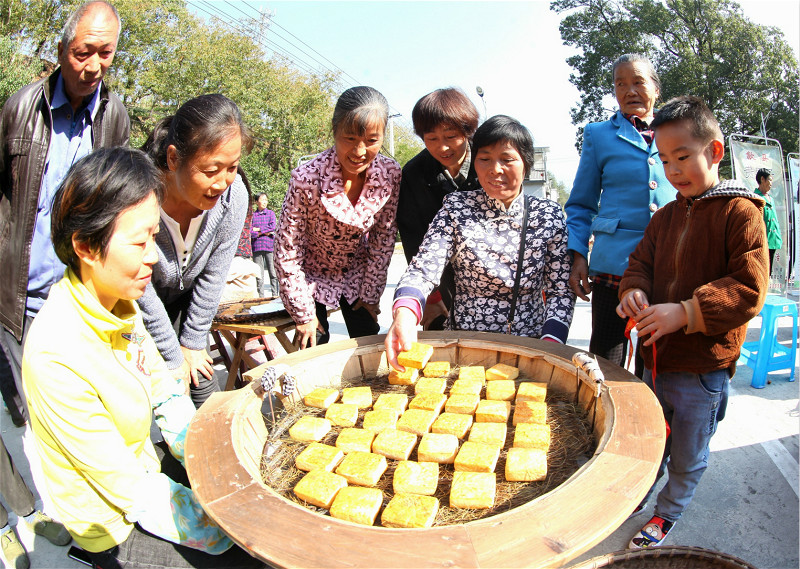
666 556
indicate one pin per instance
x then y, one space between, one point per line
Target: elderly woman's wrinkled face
635 90
500 171
357 151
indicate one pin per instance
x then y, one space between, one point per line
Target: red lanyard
628 327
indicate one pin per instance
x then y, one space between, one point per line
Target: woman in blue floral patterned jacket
479 233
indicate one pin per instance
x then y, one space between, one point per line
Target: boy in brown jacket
697 277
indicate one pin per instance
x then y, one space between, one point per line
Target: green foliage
166 55
406 144
705 48
558 188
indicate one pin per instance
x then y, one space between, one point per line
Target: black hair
357 109
95 191
762 173
705 127
504 128
445 106
202 123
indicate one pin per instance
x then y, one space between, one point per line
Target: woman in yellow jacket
93 375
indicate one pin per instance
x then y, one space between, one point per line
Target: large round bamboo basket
227 436
669 557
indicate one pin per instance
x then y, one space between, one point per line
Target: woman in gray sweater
202 216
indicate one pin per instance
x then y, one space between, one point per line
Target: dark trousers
143 550
13 352
359 322
13 488
8 388
771 257
177 311
608 329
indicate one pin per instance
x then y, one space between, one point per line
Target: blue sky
512 50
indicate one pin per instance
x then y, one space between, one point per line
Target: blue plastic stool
768 354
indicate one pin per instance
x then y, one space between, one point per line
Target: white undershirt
183 245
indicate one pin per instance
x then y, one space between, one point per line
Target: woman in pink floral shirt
337 229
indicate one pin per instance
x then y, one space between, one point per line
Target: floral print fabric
482 238
327 247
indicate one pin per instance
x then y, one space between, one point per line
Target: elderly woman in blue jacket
620 183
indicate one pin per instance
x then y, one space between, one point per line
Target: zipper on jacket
679 246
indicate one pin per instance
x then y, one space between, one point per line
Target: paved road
746 505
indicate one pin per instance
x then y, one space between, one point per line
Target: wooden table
238 334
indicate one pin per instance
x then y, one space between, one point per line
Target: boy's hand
634 301
660 320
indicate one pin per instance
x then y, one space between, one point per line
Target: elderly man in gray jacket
45 128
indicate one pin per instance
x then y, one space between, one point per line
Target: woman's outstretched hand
305 335
401 335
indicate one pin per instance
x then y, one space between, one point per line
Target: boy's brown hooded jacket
710 254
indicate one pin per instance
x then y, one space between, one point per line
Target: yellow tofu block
526 464
358 505
362 468
476 457
318 455
438 447
501 389
397 402
417 421
493 434
532 435
456 424
530 412
378 420
352 439
473 386
432 384
531 391
416 477
319 487
358 396
397 445
428 401
436 369
501 371
407 377
473 490
464 403
410 511
472 372
321 398
416 357
493 411
342 415
309 429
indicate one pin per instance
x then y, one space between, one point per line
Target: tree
705 48
558 188
406 144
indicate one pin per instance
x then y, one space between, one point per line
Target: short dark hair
445 106
357 108
95 191
503 128
762 173
705 127
202 123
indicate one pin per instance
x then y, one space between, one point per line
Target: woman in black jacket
445 120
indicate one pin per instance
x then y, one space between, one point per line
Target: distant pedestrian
774 240
262 235
693 282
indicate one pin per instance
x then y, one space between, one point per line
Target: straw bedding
571 445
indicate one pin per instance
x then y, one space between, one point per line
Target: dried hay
571 445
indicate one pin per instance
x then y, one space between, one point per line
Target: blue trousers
693 404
